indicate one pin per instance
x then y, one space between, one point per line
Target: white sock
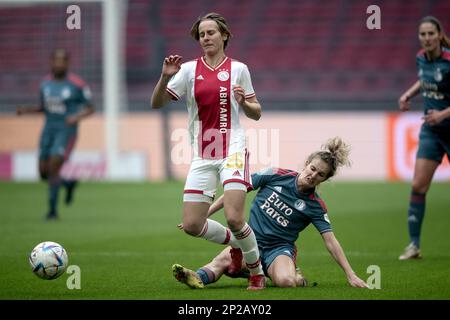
215 232
247 242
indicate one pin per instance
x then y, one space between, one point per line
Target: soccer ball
48 260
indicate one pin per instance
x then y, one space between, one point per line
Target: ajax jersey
214 126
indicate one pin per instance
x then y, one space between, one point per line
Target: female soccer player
433 62
216 87
65 100
285 204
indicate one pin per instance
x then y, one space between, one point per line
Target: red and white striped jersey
214 125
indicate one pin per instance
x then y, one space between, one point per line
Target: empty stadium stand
300 53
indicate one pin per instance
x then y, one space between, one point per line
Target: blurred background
317 70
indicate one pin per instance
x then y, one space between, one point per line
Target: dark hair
62 51
221 22
335 154
445 41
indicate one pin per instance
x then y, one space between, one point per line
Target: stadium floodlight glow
113 33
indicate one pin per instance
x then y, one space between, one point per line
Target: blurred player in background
216 88
285 204
65 99
433 62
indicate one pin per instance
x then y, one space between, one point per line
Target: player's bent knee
192 229
420 187
235 224
285 281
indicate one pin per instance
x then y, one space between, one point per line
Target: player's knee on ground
285 281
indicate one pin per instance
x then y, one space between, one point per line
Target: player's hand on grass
433 117
180 226
403 103
356 282
171 65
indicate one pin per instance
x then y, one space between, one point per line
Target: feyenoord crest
65 93
438 75
300 205
223 75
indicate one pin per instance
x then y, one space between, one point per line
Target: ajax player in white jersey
216 88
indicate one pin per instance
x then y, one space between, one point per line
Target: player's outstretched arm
403 102
31 109
171 66
338 254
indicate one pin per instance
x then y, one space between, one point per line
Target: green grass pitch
124 239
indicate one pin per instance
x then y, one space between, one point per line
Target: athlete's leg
423 174
54 182
205 275
282 272
43 168
69 184
212 271
45 144
234 203
194 217
429 155
199 191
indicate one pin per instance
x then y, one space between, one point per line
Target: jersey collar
217 67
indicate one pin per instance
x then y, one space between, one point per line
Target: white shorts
201 182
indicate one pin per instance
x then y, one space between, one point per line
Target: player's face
429 37
211 40
314 173
59 64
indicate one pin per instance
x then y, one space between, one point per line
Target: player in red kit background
216 87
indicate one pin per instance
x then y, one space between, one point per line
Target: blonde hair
335 152
221 23
445 41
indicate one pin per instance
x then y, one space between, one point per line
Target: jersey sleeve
321 222
261 178
246 83
177 85
85 95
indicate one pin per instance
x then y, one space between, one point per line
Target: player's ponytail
445 41
335 153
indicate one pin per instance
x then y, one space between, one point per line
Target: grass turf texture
124 239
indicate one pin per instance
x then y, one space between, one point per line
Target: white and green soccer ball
48 260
